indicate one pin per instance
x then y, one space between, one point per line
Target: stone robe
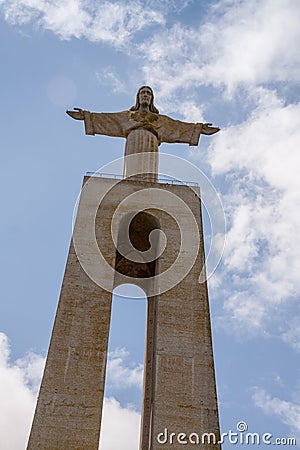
144 132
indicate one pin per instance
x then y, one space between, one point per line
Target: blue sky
233 63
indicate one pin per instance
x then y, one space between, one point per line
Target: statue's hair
136 107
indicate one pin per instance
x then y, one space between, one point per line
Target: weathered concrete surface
179 382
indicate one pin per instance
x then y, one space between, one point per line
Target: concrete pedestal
179 394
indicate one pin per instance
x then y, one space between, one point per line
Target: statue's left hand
77 114
208 129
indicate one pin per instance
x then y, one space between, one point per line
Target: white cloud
120 427
119 375
108 21
241 42
117 22
288 412
19 382
256 42
169 5
260 161
292 333
265 141
190 111
107 77
66 18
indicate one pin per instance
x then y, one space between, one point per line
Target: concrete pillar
179 393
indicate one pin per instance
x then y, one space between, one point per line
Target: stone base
179 393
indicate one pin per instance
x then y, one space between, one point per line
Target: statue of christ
144 129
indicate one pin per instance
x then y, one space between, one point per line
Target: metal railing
159 180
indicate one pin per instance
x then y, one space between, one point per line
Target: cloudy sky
235 63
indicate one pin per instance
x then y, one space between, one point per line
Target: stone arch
140 225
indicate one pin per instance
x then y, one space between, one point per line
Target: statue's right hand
77 114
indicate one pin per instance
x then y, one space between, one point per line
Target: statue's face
145 97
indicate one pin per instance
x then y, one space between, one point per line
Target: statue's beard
145 105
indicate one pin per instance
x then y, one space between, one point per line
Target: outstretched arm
176 131
109 124
86 116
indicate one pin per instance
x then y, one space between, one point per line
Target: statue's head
144 100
